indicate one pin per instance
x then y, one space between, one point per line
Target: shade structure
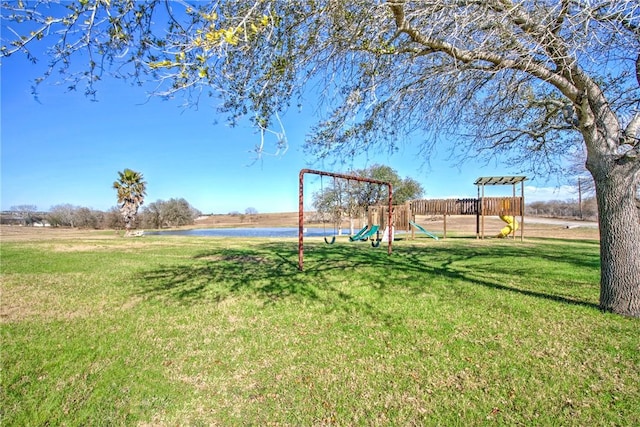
499 180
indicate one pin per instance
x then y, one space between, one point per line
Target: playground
384 221
404 217
510 210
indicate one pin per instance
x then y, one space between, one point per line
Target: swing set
335 176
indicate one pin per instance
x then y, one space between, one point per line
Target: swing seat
330 241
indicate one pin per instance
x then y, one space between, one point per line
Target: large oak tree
536 81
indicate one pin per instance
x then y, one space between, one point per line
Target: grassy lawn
205 331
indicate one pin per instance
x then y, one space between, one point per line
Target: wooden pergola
496 206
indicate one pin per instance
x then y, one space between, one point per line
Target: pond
248 232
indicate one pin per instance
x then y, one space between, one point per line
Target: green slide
358 234
366 235
423 230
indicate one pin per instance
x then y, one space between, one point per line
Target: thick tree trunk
619 240
129 216
616 175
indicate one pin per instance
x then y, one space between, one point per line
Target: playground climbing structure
507 208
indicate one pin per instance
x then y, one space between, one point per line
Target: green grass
203 331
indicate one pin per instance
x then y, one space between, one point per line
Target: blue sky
65 148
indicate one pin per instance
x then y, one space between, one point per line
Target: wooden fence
491 206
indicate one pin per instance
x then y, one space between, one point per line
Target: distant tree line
67 215
23 215
178 212
63 215
160 214
170 213
587 209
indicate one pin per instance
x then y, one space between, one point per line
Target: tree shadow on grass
269 271
493 267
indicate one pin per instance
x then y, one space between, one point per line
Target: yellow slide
512 225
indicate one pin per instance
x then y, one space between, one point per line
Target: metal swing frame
342 176
324 227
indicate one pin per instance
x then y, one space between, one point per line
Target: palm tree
131 191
